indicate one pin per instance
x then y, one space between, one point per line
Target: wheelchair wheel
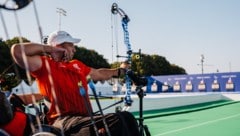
47 130
3 133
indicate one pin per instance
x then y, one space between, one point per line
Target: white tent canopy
23 88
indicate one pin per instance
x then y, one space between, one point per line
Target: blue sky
180 30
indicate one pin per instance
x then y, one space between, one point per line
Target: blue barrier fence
195 83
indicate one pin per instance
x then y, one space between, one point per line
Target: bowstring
4 24
114 26
27 67
114 29
38 21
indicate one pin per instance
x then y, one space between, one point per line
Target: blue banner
221 82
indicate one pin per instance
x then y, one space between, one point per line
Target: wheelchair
47 130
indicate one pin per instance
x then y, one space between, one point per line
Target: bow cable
115 82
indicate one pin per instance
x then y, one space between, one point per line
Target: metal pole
202 60
61 12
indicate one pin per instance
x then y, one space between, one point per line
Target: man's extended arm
105 74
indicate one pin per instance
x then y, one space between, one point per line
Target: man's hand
59 54
125 65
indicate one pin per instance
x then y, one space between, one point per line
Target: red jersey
17 125
60 80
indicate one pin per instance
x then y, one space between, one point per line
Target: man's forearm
105 73
31 49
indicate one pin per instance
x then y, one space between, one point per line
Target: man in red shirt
58 78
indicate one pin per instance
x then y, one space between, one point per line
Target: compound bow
125 19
